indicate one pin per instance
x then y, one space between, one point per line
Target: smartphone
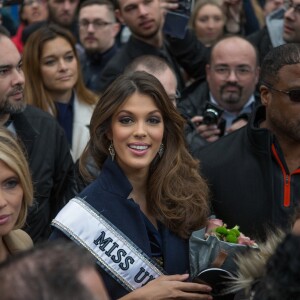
176 21
218 279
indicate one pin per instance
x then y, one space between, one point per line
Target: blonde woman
16 194
208 21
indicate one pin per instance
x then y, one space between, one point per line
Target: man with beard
64 13
232 74
97 31
44 142
145 20
254 172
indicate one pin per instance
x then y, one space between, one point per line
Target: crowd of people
120 137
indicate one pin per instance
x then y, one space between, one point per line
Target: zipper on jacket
287 179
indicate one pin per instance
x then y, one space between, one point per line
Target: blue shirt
65 116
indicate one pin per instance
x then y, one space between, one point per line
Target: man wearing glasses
232 75
97 31
254 173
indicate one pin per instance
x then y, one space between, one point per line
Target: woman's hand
171 287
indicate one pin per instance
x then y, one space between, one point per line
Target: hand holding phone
177 18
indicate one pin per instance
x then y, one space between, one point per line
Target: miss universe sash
114 252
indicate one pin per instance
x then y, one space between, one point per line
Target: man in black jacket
97 31
44 142
254 173
145 19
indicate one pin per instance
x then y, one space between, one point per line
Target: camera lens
210 117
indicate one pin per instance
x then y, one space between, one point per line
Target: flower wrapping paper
204 251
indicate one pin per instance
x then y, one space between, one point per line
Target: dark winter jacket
108 194
51 167
189 54
247 186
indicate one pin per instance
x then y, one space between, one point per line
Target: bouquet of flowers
216 246
217 228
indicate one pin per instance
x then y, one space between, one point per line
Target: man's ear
116 28
208 70
265 95
257 71
119 16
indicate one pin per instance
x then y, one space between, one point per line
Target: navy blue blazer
108 194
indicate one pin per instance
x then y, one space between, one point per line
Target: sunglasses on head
294 95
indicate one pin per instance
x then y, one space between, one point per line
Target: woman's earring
161 150
111 150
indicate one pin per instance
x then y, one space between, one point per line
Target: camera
176 21
212 114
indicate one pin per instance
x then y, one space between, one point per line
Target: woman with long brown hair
54 83
149 195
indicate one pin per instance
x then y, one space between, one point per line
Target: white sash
114 252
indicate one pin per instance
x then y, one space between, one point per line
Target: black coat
261 40
51 167
194 99
240 173
108 194
92 65
189 54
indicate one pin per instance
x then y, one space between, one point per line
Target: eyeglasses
240 72
97 24
31 2
294 95
289 4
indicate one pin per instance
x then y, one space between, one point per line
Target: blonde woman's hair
201 3
12 155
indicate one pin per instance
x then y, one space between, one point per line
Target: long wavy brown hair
35 91
176 193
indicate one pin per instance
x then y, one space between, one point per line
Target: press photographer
231 74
